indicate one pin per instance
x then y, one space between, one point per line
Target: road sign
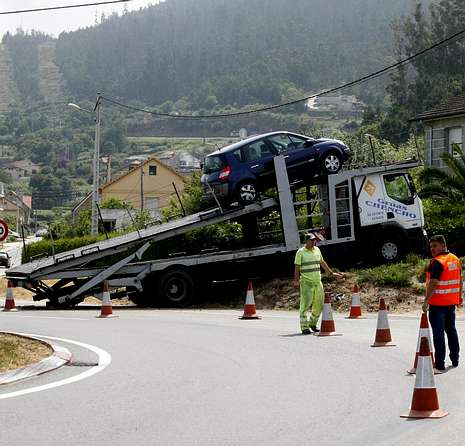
3 230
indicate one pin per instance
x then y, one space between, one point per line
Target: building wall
158 189
437 138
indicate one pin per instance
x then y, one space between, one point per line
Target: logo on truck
370 188
390 206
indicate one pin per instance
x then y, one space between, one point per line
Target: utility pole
96 176
96 162
142 185
108 168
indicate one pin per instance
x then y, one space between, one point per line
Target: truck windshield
213 164
398 188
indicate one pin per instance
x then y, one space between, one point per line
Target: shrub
44 248
396 275
448 219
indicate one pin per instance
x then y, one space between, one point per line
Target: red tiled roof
27 200
455 105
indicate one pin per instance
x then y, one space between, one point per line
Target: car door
258 157
295 151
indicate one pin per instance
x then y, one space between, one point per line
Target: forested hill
216 52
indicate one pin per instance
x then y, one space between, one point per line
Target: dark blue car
240 171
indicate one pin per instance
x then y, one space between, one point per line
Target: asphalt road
207 378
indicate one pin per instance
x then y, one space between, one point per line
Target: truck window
398 188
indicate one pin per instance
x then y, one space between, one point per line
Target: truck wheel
176 288
390 249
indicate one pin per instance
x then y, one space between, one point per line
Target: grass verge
16 352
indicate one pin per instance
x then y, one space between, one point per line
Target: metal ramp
90 253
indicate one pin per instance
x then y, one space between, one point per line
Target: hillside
213 52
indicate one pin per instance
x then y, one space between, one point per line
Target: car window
280 143
398 188
255 151
239 156
297 141
213 164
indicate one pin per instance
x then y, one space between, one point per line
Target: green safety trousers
311 300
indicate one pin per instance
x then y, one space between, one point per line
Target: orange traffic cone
355 308
423 333
250 312
9 299
383 332
425 402
106 310
327 322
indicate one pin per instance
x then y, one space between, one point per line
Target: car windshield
3 254
213 164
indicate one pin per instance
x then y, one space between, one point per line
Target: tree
437 183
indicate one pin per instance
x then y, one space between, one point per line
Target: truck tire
391 249
175 288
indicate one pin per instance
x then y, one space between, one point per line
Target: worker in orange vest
443 295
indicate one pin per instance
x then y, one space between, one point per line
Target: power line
458 35
53 8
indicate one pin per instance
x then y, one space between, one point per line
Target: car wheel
331 163
247 193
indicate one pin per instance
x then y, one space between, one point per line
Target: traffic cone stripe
383 323
425 376
250 311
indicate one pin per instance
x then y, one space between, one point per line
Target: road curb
59 358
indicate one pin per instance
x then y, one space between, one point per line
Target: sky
54 22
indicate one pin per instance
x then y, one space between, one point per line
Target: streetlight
95 167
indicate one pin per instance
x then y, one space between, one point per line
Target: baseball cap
310 236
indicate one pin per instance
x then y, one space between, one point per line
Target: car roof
244 142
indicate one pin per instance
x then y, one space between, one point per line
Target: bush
448 219
44 248
396 275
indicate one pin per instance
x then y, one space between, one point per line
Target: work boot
314 329
306 331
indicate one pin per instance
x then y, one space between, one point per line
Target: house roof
453 106
129 172
27 200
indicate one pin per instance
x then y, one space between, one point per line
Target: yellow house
149 186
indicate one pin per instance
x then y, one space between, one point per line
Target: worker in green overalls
308 263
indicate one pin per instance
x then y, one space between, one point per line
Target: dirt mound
280 294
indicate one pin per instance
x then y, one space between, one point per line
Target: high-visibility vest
447 291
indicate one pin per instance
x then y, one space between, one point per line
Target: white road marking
104 360
47 317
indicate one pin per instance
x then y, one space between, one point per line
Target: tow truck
368 212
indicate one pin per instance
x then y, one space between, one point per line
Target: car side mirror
308 144
202 165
